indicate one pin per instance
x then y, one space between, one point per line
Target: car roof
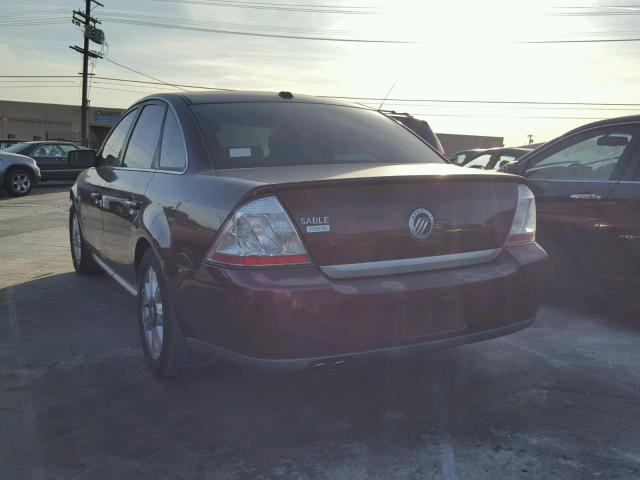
199 98
34 142
604 123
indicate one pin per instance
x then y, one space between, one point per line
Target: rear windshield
422 128
275 134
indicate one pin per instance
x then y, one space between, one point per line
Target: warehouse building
47 121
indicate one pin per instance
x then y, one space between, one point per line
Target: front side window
274 134
66 147
144 139
172 153
110 152
48 150
479 162
591 156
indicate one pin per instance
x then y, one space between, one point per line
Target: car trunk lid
349 215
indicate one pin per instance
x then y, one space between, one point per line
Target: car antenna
386 96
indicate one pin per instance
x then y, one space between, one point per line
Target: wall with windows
46 121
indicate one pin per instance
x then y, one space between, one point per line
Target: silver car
18 173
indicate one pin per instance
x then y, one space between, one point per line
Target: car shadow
97 406
41 189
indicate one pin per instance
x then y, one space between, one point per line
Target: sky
441 60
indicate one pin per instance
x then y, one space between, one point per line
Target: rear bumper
297 317
336 360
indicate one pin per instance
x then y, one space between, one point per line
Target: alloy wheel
20 182
76 239
152 314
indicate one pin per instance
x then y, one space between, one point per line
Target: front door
124 198
52 161
572 182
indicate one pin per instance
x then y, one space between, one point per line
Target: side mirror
85 158
512 167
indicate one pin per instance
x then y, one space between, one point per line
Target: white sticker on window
318 228
239 152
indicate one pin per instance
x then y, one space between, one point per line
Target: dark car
587 187
419 127
298 232
8 142
459 158
490 158
50 156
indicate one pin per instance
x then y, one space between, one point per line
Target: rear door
621 256
573 181
125 186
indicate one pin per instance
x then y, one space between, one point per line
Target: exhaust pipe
328 363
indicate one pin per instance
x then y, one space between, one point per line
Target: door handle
96 197
133 204
585 196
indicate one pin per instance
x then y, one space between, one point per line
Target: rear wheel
83 262
159 332
19 182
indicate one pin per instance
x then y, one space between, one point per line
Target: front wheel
159 332
19 182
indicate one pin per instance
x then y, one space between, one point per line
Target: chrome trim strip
127 286
409 265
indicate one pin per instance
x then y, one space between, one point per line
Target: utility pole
530 138
91 32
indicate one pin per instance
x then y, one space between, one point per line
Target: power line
290 7
170 23
589 40
395 101
143 74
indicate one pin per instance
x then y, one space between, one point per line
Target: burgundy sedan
299 232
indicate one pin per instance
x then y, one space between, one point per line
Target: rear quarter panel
186 212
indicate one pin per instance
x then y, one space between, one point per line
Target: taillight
259 233
523 228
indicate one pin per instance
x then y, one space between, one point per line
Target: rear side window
172 153
144 140
112 147
273 134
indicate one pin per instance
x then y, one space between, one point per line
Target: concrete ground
560 400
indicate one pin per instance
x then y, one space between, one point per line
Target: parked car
419 127
298 232
587 187
51 157
7 143
459 158
490 158
18 174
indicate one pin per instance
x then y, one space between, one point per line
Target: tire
164 348
19 182
81 256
